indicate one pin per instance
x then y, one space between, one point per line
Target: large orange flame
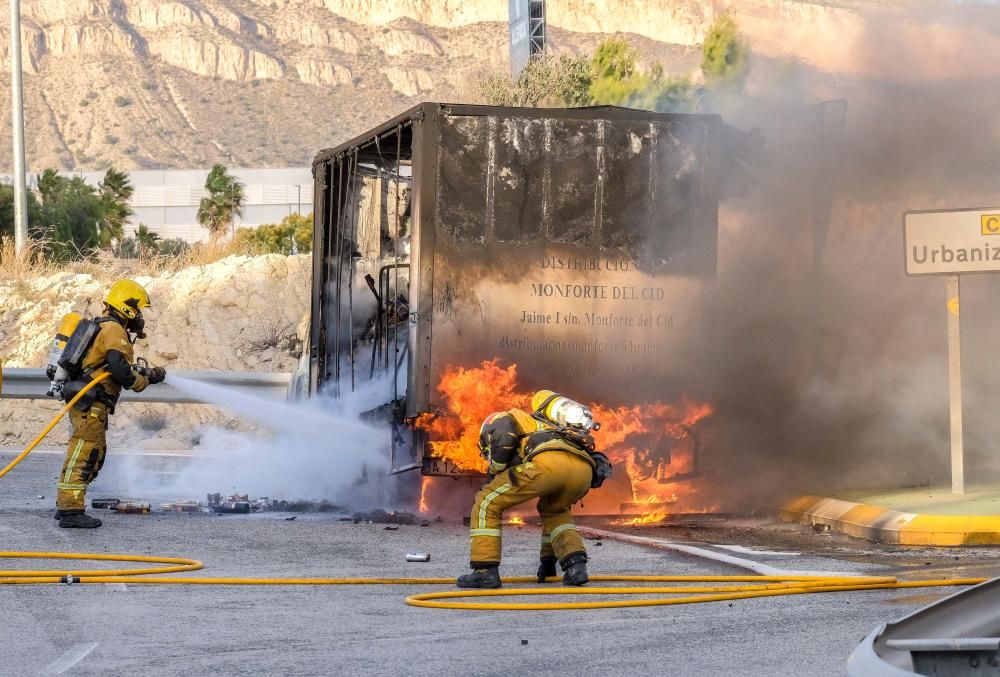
470 396
652 442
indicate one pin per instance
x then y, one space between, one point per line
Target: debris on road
132 508
104 503
235 504
379 516
183 506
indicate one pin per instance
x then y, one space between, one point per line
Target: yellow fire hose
52 424
760 586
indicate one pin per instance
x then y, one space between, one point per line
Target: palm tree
115 192
224 203
146 240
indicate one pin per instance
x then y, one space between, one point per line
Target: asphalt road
126 629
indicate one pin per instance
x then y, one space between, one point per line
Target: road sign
952 242
949 242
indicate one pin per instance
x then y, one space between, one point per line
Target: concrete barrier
32 384
884 525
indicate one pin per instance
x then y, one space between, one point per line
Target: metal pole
17 118
955 386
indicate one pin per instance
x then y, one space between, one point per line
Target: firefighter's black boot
482 577
546 568
575 569
76 519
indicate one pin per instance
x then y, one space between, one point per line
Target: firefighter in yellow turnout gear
111 350
549 455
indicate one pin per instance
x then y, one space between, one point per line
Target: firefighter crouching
104 344
549 455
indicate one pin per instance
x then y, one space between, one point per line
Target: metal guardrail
957 636
32 384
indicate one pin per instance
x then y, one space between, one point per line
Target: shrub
548 80
173 247
292 236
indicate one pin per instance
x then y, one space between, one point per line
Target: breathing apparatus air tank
56 374
563 411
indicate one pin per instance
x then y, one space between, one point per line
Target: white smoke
317 449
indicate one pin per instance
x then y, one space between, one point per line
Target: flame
652 441
423 507
516 520
645 518
470 396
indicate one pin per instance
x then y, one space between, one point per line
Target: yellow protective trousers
558 479
84 456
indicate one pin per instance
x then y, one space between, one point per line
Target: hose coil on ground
731 588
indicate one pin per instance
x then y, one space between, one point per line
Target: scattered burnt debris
104 503
242 504
182 506
236 504
132 508
379 516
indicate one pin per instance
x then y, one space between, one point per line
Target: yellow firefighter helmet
128 298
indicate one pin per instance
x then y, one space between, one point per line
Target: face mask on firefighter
136 325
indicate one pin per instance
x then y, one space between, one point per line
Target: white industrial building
167 200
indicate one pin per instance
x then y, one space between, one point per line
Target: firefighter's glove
156 374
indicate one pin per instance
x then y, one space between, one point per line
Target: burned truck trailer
577 246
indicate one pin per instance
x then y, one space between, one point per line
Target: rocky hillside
185 83
240 313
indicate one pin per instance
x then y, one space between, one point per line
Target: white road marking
750 551
756 567
74 655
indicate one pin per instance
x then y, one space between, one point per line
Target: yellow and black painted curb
884 525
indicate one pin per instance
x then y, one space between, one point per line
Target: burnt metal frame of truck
408 149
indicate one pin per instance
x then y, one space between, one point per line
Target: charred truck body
578 244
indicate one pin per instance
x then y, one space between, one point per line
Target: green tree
7 209
146 240
224 203
617 81
725 57
116 192
70 215
292 236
